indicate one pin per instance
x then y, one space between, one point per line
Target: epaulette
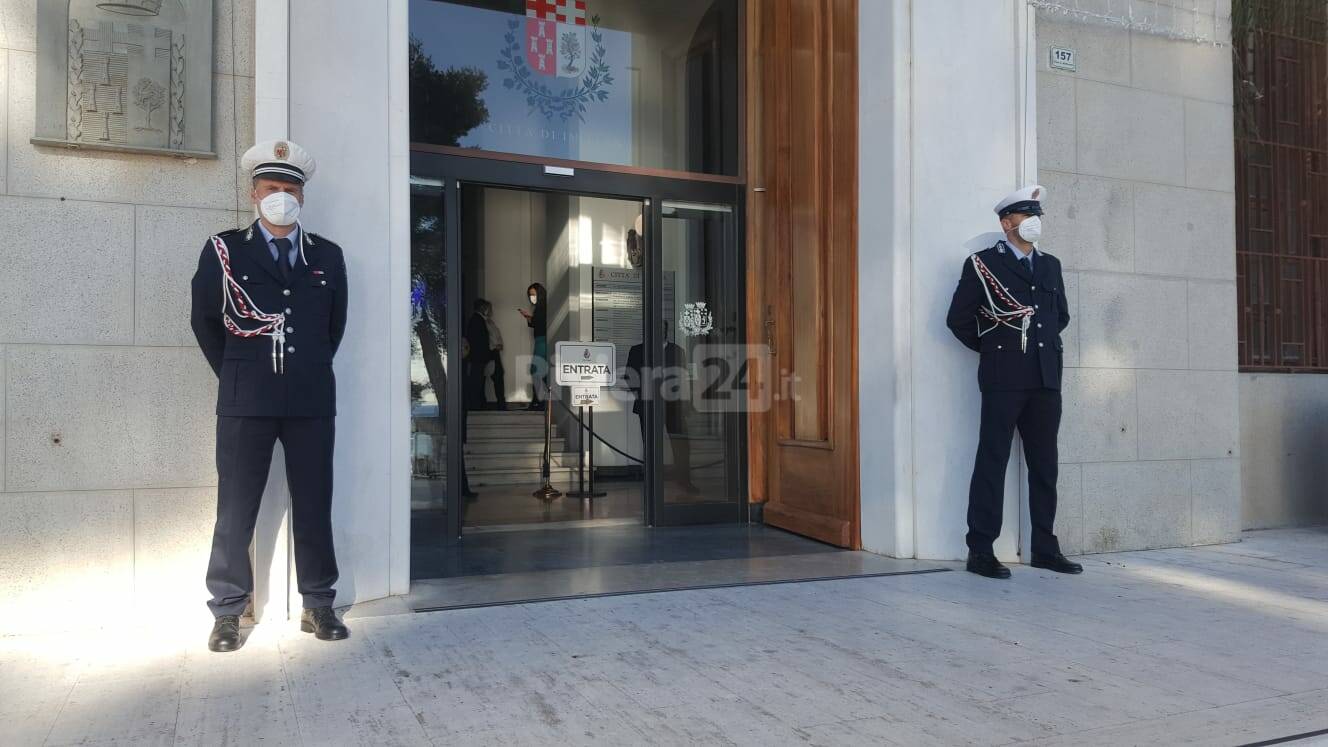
229 232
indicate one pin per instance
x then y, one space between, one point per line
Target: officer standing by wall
269 310
1010 307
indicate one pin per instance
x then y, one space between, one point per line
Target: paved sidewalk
1220 645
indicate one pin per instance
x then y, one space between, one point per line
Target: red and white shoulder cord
1010 310
235 299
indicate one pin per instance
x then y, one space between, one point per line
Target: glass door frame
455 170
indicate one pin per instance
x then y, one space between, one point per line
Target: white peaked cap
1027 200
279 159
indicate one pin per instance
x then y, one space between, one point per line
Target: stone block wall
107 483
1135 149
1283 439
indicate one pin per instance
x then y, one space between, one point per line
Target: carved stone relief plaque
126 75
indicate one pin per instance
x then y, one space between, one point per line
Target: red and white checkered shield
556 37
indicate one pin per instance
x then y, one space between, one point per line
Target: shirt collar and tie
1024 259
292 248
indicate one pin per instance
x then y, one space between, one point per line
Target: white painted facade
957 108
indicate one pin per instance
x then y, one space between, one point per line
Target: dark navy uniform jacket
1003 366
314 302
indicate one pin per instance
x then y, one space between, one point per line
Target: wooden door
802 249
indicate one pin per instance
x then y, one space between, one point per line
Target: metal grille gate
1281 110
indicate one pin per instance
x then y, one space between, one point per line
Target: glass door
539 269
650 263
701 374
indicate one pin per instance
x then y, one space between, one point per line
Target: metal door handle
770 329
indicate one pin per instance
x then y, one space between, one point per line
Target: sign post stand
585 367
547 492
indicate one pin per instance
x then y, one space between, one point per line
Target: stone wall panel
1185 232
1216 500
1090 222
66 271
169 241
1187 414
1131 321
1212 319
18 24
4 117
1210 155
1099 416
1136 505
1196 71
97 418
234 45
1127 133
1056 132
62 556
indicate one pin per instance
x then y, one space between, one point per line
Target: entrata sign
585 396
585 363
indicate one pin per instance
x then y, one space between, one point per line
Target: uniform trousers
1036 413
244 456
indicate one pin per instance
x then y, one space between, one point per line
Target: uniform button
292 329
998 347
286 292
1039 326
1034 287
322 282
1039 345
290 349
1035 306
288 311
244 277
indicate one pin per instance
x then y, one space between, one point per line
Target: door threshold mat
663 589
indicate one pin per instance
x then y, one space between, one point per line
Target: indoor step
519 446
518 462
510 477
506 417
533 432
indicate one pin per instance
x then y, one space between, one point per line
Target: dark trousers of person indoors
499 382
1036 413
244 456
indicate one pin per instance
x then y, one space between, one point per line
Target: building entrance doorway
511 259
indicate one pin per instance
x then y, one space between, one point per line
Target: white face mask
1031 229
280 208
534 299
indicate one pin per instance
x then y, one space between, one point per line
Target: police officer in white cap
269 311
1010 307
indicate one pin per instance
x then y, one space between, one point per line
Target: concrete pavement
1218 645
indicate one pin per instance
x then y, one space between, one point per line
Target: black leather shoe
323 623
1058 563
225 634
987 565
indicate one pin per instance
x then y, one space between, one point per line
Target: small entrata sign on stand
585 396
584 364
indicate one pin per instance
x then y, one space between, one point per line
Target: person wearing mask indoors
537 318
1010 308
